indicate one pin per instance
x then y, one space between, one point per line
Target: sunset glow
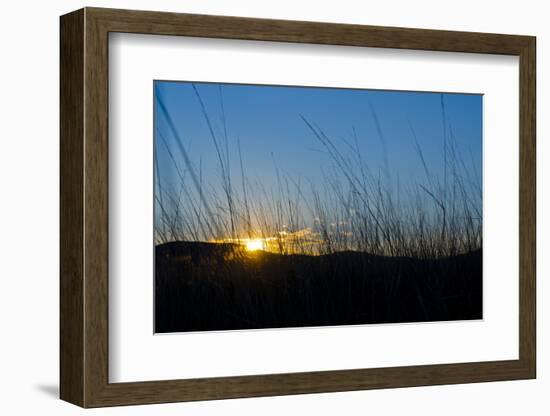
255 245
302 241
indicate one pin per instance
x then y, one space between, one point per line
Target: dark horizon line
212 243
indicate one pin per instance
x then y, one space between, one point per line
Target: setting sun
254 245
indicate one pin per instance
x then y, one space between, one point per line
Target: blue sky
267 122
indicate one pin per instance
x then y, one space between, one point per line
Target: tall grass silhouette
358 246
354 208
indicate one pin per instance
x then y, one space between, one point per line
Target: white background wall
29 206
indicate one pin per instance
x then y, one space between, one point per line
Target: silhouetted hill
208 286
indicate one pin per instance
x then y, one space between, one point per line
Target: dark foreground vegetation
207 286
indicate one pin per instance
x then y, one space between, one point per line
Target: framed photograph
255 207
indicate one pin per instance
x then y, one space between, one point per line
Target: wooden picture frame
84 207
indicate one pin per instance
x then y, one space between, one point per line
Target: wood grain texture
71 208
84 207
96 209
162 23
527 207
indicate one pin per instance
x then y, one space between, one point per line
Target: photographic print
293 206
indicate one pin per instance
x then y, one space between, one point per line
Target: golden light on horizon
255 244
303 241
